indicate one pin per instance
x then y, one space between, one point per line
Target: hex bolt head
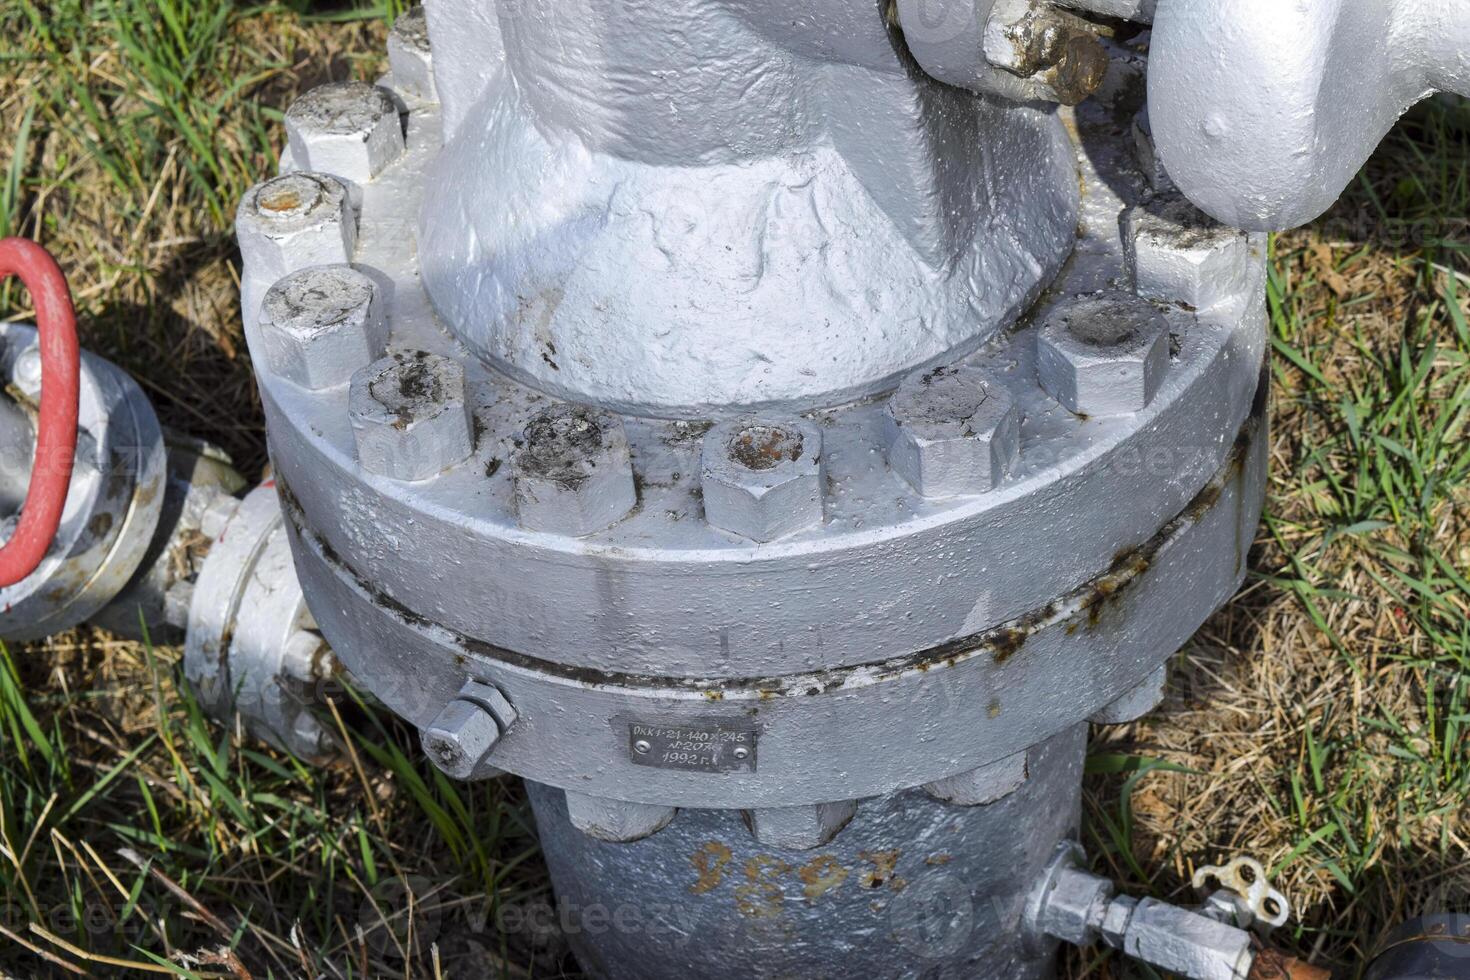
1175 253
615 821
1136 703
348 129
410 57
321 325
800 828
983 786
1104 356
410 415
460 739
952 431
292 222
763 479
573 473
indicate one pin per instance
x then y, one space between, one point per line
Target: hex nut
26 372
1115 919
320 325
410 56
762 479
1075 906
615 821
984 785
952 431
348 129
1136 703
460 739
410 415
800 828
1175 253
573 473
1104 356
293 222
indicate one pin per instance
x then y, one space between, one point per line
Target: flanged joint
462 737
573 473
1104 356
1175 253
294 221
952 431
348 129
321 325
762 479
410 415
410 56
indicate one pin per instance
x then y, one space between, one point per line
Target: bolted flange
410 57
410 418
572 473
983 786
292 222
763 479
1177 254
1105 355
462 737
952 431
348 129
321 325
800 828
615 821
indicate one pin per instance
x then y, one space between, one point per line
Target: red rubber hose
56 434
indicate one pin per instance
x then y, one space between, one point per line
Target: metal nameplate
692 748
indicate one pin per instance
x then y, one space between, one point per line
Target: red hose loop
56 435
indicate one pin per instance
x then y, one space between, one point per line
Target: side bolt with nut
410 415
460 740
952 431
320 325
1104 356
763 479
573 473
348 129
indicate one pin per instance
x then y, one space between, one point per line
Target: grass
1319 722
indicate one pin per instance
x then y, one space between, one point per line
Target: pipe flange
115 499
252 646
